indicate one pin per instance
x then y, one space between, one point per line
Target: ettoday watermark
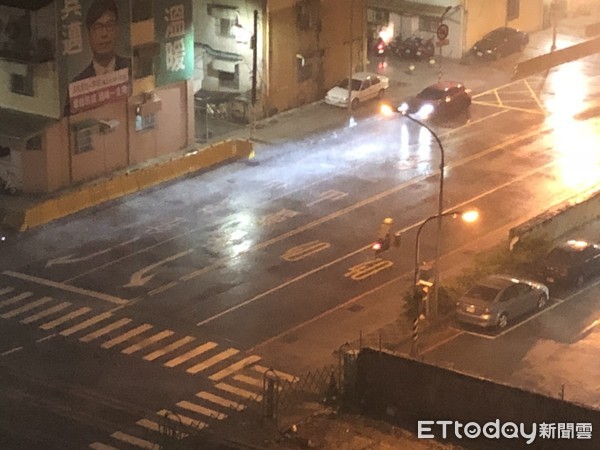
431 429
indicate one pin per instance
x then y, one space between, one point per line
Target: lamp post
436 276
467 216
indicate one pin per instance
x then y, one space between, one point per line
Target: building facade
467 20
92 86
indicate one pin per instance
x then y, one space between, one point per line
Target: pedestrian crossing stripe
191 354
281 375
129 439
15 299
6 290
107 329
85 324
248 380
66 318
146 342
125 336
234 367
201 410
179 418
169 348
101 446
220 401
27 307
46 312
238 391
152 425
212 361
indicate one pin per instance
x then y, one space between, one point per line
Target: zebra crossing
237 378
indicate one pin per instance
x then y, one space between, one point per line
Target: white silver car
364 85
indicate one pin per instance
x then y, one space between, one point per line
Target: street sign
442 31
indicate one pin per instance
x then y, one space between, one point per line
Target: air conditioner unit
106 126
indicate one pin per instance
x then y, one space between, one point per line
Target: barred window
428 23
145 123
84 141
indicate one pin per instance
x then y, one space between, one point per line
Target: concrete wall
418 391
561 219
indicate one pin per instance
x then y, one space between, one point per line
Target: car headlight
489 51
425 111
403 108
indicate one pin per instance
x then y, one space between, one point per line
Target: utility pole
350 45
254 44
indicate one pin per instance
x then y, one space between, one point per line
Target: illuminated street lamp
424 112
467 216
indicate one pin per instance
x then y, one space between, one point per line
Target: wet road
171 286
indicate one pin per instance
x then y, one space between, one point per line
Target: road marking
125 336
442 342
46 312
280 374
6 290
101 446
85 324
583 333
182 420
67 259
191 354
212 361
138 279
162 288
368 269
8 352
302 251
66 318
238 391
146 342
514 108
152 425
248 380
169 348
328 195
201 410
107 329
15 299
277 217
25 308
129 439
66 287
220 401
235 367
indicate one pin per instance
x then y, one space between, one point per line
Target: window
378 16
428 24
226 27
84 141
303 69
141 10
143 60
5 153
303 19
22 84
144 123
512 9
34 143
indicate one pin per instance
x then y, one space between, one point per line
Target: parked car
438 99
571 263
364 86
414 47
497 299
500 42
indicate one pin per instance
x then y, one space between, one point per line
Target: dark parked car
571 263
438 100
414 47
500 42
497 299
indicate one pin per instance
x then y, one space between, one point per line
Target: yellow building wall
324 45
485 15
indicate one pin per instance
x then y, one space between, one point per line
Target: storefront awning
16 127
409 8
31 5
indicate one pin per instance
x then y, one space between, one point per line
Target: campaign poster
95 52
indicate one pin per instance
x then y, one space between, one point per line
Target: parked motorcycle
414 47
7 188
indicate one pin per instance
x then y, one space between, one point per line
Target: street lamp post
468 216
436 276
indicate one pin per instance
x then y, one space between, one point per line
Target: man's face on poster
103 36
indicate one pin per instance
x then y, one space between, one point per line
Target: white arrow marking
138 278
68 259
